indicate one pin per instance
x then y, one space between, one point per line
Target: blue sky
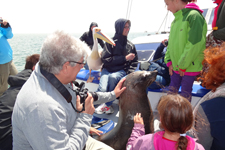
75 16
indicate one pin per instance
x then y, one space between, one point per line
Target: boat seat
197 90
102 124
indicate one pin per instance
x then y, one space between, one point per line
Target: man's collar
57 84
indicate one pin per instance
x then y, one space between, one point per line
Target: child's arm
138 131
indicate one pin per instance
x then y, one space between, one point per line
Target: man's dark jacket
160 65
7 101
87 37
114 57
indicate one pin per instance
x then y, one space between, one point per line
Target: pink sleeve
169 63
138 131
199 147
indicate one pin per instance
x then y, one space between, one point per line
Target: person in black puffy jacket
118 61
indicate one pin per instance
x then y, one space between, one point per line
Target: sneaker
104 109
110 110
100 124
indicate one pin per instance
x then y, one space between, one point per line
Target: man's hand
130 56
138 118
118 89
89 107
93 130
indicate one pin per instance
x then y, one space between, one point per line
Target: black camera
82 92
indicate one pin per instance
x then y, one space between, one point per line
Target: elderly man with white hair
48 114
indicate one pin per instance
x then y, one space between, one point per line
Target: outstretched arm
104 97
138 131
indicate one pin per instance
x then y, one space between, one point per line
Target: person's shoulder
193 144
130 43
199 146
144 142
147 137
85 33
193 13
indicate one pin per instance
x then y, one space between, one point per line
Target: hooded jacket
187 41
114 57
6 53
220 23
218 2
7 101
87 37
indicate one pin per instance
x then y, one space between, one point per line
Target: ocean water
24 45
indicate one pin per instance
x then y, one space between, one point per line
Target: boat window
204 12
211 17
147 46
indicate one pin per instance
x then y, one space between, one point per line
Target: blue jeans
109 80
159 83
86 66
163 77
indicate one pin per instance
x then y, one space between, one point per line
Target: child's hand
93 130
181 73
138 118
171 70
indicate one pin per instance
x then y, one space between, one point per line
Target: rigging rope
163 22
129 8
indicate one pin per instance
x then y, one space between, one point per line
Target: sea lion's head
142 79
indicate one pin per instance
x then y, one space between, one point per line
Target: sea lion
133 100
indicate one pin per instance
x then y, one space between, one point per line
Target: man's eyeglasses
127 27
81 63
